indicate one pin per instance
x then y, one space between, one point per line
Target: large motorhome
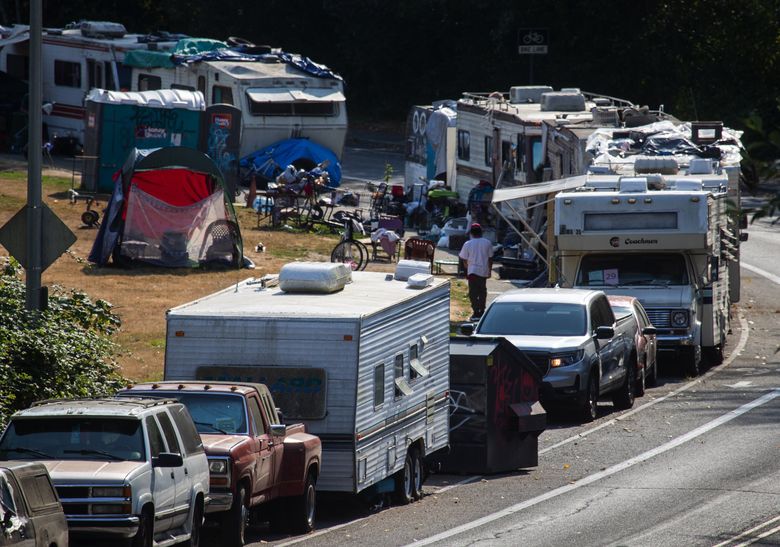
76 59
278 99
664 229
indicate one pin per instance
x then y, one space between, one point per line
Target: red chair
419 249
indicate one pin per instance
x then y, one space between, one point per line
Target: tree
64 351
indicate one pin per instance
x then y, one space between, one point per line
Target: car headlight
565 359
218 467
111 492
680 318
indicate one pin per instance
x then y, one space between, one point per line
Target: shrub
64 351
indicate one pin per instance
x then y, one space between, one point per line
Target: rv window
202 85
379 385
488 151
537 158
221 94
416 368
67 74
506 152
94 74
182 87
464 145
109 72
610 222
147 82
125 77
315 109
18 66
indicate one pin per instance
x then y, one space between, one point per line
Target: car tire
589 404
196 525
235 520
641 380
145 534
303 508
624 398
691 365
404 492
418 475
652 379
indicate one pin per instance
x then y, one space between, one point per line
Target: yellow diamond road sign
56 237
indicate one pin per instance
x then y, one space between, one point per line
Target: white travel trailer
365 368
76 59
277 99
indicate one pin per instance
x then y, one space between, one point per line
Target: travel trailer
76 59
281 95
365 367
430 143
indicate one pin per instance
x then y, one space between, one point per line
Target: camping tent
169 207
303 153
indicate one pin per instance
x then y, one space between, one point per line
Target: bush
65 351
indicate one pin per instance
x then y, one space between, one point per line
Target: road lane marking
467 480
759 537
312 535
743 338
590 479
755 269
748 532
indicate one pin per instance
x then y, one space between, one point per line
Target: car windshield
658 269
215 413
534 319
73 438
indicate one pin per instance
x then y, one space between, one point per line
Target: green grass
19 175
158 343
11 202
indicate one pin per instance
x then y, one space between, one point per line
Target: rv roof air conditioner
662 166
605 117
600 170
527 94
701 166
102 29
632 184
601 101
562 101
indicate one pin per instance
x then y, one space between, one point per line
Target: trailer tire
418 475
404 492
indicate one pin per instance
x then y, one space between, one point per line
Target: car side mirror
467 329
605 333
649 331
168 459
278 430
280 414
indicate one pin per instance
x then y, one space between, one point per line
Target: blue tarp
269 161
239 54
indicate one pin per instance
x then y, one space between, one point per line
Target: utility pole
36 298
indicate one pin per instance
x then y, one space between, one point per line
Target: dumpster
495 414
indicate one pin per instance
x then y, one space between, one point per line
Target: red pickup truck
253 458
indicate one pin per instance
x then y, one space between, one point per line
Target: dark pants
478 294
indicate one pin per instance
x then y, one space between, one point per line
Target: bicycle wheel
364 250
350 253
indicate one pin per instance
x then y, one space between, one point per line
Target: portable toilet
119 121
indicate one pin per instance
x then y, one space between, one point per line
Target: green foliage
388 172
64 351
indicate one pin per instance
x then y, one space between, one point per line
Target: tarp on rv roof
195 46
530 190
159 98
143 58
284 95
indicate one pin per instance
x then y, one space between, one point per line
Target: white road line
760 537
743 338
755 269
590 479
748 532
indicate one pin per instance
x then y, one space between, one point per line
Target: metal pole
34 143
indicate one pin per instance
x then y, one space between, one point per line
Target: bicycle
348 250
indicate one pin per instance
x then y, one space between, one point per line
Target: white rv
664 235
278 100
365 368
430 143
76 59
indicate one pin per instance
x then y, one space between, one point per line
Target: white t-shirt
477 252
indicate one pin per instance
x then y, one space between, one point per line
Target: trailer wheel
404 491
418 475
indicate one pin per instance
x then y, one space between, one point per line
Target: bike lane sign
532 41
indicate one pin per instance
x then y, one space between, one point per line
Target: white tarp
160 98
285 95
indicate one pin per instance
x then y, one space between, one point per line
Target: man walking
477 255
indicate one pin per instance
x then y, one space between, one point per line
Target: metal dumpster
495 417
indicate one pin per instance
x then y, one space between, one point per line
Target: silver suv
123 468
